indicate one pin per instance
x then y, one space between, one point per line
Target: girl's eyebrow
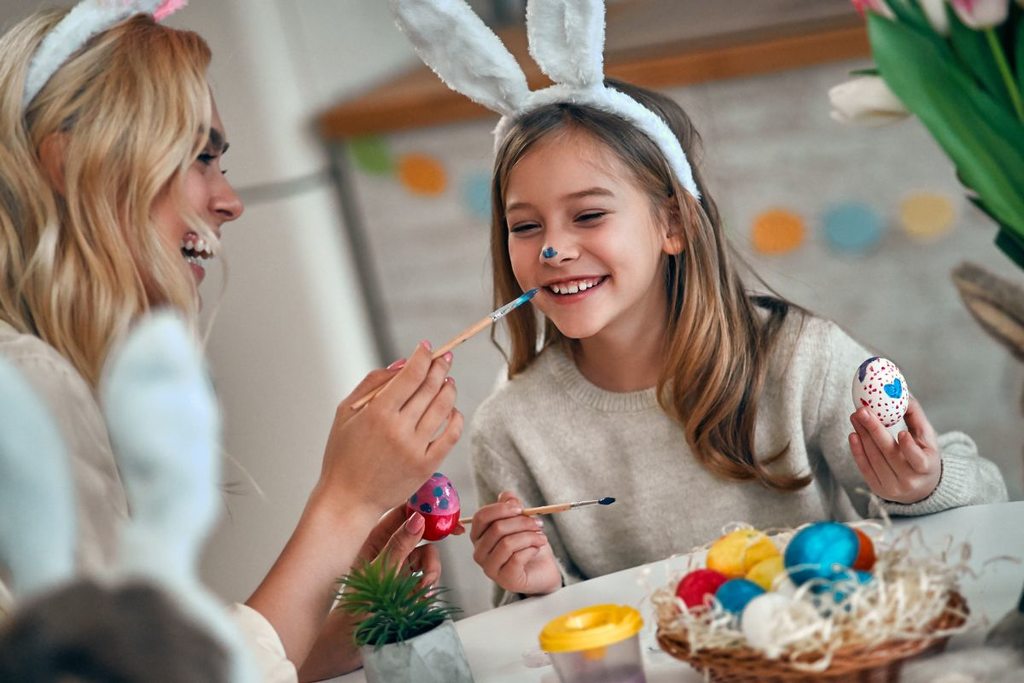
589 192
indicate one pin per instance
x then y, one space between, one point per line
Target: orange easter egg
865 553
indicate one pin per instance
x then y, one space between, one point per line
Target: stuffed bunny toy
148 618
998 306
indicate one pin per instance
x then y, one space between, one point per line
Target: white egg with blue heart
879 386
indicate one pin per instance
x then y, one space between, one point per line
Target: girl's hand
378 455
512 549
906 470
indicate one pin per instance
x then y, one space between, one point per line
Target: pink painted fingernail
450 380
426 344
400 363
414 524
448 357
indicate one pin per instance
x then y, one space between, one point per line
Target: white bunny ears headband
153 384
87 19
566 40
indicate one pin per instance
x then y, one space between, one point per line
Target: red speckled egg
698 585
438 502
865 552
879 386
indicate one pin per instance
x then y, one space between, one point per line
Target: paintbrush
557 507
473 329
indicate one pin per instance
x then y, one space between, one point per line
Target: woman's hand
334 652
904 470
512 548
378 455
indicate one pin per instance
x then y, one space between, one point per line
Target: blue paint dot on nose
549 252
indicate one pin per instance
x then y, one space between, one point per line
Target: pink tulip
981 14
876 6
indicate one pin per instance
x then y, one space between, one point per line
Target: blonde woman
112 197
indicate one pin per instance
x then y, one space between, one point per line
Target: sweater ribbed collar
565 373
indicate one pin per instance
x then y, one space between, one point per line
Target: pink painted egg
438 502
878 385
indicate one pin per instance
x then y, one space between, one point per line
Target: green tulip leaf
980 136
909 13
976 55
1019 49
1011 245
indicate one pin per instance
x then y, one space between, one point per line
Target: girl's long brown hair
718 340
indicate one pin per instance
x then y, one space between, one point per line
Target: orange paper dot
777 231
422 174
926 216
865 552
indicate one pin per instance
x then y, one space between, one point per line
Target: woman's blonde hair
717 339
80 256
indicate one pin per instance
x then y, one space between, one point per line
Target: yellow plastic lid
590 627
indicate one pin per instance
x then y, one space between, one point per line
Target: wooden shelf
418 99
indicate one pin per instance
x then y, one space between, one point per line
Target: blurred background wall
353 249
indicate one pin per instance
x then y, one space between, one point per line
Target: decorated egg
698 585
761 617
824 550
734 594
438 502
865 551
879 386
735 553
764 572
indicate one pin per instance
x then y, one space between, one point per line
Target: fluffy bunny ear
164 425
567 40
453 41
37 508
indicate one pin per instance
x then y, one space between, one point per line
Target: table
496 641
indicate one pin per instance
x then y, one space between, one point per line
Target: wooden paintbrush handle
531 512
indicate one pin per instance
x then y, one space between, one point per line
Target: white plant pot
432 657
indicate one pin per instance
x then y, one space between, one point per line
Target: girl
656 377
112 197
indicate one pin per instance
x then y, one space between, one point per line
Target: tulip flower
866 101
876 6
981 14
935 10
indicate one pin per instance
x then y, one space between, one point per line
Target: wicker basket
851 664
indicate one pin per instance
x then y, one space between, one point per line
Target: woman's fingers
407 381
438 410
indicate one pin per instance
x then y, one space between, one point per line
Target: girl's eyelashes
523 227
588 216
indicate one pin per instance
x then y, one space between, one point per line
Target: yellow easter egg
764 572
735 553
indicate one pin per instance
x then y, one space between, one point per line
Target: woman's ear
51 154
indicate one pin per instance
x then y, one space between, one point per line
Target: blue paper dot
476 194
413 499
443 504
425 507
852 228
438 491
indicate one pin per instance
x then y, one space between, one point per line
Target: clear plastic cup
597 644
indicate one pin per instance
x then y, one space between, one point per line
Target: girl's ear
51 154
674 241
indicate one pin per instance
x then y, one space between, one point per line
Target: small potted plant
405 632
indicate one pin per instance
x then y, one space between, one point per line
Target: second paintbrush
557 507
473 329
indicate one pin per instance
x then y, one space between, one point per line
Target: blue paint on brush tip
606 501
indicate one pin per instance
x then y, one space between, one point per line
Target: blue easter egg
848 583
734 594
825 550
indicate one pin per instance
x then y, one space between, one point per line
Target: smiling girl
655 376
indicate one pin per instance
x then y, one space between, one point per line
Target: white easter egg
760 619
879 386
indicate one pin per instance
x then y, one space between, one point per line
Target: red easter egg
696 586
438 502
865 552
